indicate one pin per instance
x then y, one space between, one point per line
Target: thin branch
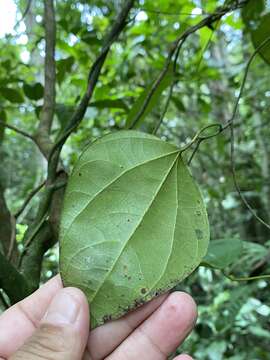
17 130
160 12
207 44
231 126
46 236
194 151
28 199
199 136
35 231
93 76
176 46
28 6
165 109
46 117
75 120
249 278
5 223
41 228
32 236
171 89
32 233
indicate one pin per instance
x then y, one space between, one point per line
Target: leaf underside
133 223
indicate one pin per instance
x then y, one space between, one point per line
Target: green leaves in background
222 253
3 115
33 91
133 224
63 67
256 15
109 104
12 95
260 34
164 84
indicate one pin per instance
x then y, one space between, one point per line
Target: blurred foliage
233 316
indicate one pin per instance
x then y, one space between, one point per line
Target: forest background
71 71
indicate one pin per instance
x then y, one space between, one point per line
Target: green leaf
33 91
252 11
3 115
64 66
178 103
222 253
38 110
109 103
64 113
257 23
3 118
260 34
12 95
90 37
133 223
164 84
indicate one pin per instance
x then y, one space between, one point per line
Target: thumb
63 332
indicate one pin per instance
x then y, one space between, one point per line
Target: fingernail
63 309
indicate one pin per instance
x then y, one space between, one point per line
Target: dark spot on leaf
143 290
107 318
198 213
139 302
199 234
128 220
80 174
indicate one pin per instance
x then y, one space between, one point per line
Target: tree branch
46 117
230 124
5 224
28 199
93 76
47 220
27 8
11 281
12 240
45 234
17 130
176 47
7 221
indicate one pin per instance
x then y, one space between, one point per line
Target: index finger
20 321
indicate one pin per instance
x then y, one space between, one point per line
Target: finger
183 357
19 322
104 339
63 332
162 332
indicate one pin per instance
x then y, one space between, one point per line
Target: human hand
53 323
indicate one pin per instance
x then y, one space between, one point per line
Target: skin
37 328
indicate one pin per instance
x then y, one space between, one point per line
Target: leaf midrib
176 212
112 182
135 229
